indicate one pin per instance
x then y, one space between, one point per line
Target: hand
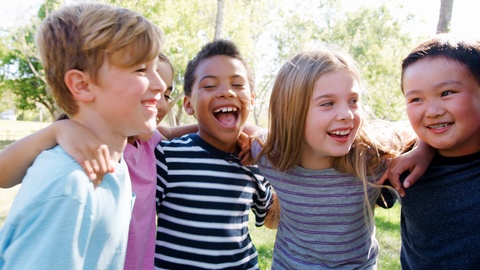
415 161
244 142
86 149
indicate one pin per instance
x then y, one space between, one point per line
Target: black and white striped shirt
204 197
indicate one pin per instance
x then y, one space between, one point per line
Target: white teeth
225 109
439 126
340 133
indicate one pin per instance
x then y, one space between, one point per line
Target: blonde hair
289 103
84 36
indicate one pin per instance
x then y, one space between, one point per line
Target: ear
79 85
252 101
187 105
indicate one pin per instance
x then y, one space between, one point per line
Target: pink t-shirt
141 237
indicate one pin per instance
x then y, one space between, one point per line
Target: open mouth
339 133
227 116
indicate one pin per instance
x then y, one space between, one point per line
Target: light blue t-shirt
59 220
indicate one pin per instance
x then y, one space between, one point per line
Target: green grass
388 236
15 130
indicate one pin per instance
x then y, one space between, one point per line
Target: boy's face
443 105
126 98
220 101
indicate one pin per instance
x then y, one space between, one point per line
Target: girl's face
165 71
443 105
333 119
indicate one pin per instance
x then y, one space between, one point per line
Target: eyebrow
215 77
447 83
332 95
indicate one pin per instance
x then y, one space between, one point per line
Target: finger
103 160
394 180
384 177
412 177
244 152
87 167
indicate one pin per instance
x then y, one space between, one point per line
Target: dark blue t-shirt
440 220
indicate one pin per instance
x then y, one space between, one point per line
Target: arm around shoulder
16 158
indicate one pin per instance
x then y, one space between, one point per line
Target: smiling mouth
339 133
440 126
227 116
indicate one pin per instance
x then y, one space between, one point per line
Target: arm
76 139
244 142
415 161
172 132
273 214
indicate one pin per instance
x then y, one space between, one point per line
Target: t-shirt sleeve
262 200
162 172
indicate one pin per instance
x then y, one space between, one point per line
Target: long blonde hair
289 103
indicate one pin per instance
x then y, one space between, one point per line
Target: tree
445 16
219 20
21 71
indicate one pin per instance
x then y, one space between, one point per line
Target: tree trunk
219 21
445 16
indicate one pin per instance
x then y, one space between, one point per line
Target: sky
465 17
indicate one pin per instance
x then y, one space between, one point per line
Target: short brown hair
84 36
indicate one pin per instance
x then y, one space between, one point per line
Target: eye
326 104
354 101
413 100
142 69
447 93
167 97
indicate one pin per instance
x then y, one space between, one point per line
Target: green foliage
266 32
21 71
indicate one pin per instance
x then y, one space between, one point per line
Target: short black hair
214 48
463 51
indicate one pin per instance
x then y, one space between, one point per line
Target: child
323 164
140 159
138 156
204 194
440 213
106 81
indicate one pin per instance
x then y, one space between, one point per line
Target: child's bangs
142 48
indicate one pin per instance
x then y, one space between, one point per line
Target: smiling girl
323 164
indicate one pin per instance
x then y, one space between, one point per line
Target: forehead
435 70
336 82
221 67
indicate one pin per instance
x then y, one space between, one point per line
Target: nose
345 113
157 84
225 91
434 109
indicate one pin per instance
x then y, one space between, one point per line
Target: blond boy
100 63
